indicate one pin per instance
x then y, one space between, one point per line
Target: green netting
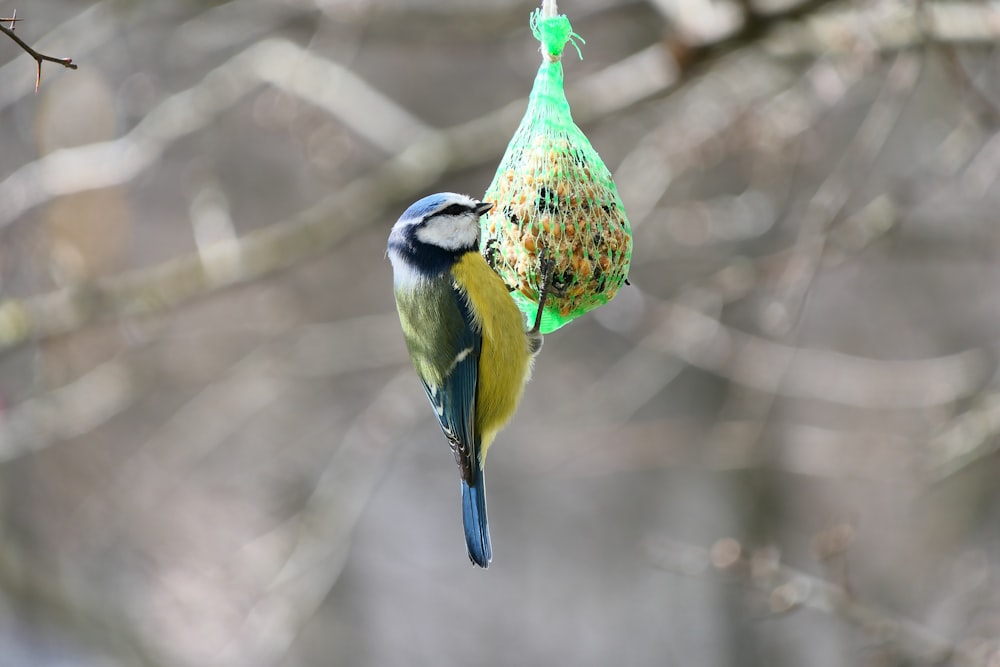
555 198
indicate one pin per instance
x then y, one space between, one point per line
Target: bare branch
39 57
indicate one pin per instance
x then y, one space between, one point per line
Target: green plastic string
554 32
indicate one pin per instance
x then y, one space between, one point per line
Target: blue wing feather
455 408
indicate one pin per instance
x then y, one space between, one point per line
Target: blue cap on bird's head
428 204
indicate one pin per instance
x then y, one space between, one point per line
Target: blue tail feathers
477 529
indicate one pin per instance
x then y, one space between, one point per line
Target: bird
466 337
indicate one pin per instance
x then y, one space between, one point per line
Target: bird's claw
490 252
546 286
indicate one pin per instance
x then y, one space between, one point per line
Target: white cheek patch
404 275
451 232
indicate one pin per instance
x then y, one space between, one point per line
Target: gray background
776 448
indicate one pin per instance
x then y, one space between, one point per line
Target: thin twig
39 57
12 19
93 27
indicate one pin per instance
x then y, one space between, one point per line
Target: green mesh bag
554 198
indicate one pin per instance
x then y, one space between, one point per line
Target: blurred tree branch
928 18
788 589
158 289
766 97
644 74
105 391
967 439
280 246
317 542
83 613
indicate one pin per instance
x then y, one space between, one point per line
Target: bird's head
433 233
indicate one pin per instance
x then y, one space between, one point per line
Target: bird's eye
454 209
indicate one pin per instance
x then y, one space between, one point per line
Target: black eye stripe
454 209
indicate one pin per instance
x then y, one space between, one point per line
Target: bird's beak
483 207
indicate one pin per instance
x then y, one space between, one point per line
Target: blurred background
777 447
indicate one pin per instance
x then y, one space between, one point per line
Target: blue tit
466 338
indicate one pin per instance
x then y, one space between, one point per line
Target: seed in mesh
582 238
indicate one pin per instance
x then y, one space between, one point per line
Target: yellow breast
505 360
